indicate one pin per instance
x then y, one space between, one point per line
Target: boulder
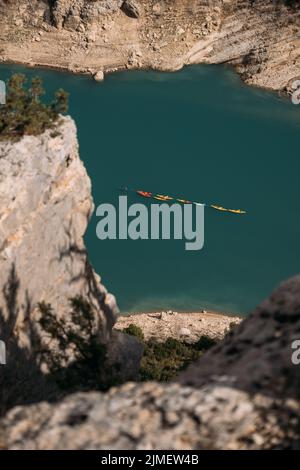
131 8
99 76
154 417
256 356
124 354
184 332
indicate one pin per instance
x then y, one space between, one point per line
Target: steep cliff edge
242 394
55 314
45 205
261 38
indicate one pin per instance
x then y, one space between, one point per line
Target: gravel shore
183 326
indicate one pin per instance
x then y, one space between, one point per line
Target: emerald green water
203 134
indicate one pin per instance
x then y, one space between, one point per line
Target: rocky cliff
261 38
45 205
242 394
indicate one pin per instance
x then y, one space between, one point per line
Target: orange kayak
144 193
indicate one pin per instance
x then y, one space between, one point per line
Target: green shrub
232 325
77 333
163 361
136 331
24 113
204 343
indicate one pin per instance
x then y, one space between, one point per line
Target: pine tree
24 113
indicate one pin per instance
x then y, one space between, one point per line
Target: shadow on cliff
86 275
256 357
21 381
47 340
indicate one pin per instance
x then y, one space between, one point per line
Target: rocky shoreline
260 39
183 326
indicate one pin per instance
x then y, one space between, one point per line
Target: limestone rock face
257 355
66 13
45 205
242 394
69 13
126 352
154 416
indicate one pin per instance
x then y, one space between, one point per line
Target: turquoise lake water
203 134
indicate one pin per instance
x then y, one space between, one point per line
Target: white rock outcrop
99 76
45 206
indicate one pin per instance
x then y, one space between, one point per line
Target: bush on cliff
136 331
24 113
75 357
21 380
69 347
163 361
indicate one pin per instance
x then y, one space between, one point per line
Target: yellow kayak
223 209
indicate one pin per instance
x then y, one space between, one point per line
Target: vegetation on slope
74 357
70 351
25 113
162 361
